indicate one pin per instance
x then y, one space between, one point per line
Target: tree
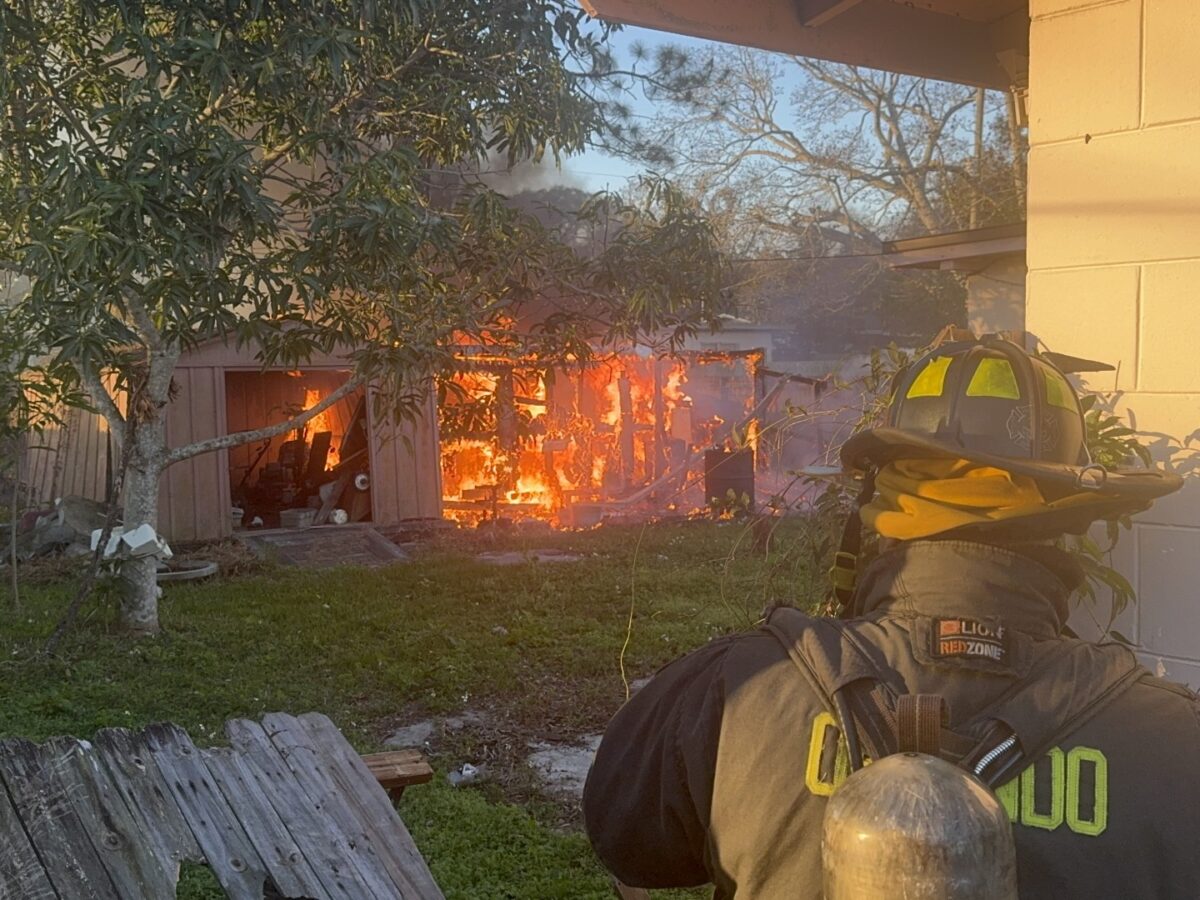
801 158
808 154
274 174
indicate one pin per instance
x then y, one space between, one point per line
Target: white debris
132 544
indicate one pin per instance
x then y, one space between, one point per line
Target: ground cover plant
534 650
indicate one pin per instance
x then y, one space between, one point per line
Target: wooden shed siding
406 472
194 494
68 460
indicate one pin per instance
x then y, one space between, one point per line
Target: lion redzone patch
969 638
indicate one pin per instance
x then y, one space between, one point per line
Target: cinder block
1090 313
1166 420
1090 619
1173 669
1170 328
1085 72
1172 66
1168 598
1123 198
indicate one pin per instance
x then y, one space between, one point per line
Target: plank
398 769
21 871
327 849
371 804
315 770
126 763
133 864
244 790
335 495
52 824
227 849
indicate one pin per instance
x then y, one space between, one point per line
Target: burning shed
566 443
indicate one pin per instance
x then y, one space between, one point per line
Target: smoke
525 176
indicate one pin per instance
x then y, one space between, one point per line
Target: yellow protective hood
917 498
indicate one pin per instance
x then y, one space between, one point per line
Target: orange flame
321 422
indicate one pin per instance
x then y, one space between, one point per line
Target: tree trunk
139 582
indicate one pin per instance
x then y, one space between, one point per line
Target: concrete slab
414 736
518 557
324 546
563 768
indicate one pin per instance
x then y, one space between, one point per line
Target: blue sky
594 170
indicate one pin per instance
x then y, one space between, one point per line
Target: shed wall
193 496
406 465
1114 258
67 459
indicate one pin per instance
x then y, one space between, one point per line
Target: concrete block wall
1114 261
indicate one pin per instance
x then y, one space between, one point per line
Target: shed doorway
315 475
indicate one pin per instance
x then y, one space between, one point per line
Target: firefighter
719 769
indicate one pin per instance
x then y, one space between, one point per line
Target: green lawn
537 646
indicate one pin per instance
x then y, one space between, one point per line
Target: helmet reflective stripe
990 396
932 380
994 378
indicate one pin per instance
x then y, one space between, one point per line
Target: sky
594 170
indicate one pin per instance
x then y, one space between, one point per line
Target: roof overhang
958 249
978 42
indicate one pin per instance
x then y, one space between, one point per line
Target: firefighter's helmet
989 401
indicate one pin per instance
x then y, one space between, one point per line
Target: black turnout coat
719 769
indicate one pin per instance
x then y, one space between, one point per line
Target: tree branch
224 442
103 402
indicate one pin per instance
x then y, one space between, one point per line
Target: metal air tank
915 827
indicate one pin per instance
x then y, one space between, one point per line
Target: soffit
979 42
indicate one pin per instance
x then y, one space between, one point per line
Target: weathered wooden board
237 779
373 806
311 773
290 809
133 866
21 871
127 762
325 848
227 849
52 824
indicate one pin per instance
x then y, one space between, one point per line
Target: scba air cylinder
916 827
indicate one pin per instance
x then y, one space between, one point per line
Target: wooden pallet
289 804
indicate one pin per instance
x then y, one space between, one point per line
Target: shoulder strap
1065 688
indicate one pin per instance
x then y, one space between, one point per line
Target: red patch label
969 638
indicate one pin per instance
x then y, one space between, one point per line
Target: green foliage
290 176
369 646
1111 442
483 851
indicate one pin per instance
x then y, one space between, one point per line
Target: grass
536 645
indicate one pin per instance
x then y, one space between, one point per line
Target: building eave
983 43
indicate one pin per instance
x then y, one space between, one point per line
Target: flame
321 422
572 442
